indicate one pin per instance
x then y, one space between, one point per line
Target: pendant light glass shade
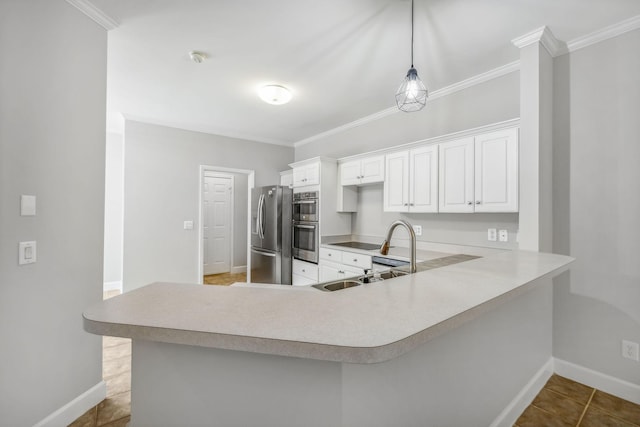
412 93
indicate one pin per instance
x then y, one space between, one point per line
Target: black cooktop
358 245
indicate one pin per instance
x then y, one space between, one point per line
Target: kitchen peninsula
447 346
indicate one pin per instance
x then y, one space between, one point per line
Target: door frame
250 184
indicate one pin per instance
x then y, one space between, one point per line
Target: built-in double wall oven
306 240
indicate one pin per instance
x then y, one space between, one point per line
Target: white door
216 223
456 192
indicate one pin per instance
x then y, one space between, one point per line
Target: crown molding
89 9
545 37
448 90
604 34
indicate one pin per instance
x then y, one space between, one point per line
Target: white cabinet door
456 176
396 185
496 171
306 175
328 271
350 173
423 179
372 170
364 171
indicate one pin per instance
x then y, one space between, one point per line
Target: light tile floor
561 403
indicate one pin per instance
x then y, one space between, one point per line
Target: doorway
217 223
224 197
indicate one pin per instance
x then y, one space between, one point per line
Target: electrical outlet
418 230
630 350
503 235
492 235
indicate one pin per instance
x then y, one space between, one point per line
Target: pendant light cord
411 33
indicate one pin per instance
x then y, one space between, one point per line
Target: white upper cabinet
411 180
480 174
496 171
364 171
306 175
456 176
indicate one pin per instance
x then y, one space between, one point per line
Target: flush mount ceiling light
197 57
274 94
412 93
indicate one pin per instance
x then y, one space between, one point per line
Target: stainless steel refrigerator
271 234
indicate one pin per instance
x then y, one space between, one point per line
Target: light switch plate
418 230
26 253
27 205
492 234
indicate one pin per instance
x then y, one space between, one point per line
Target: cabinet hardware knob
469 203
304 271
410 204
477 202
340 271
355 260
406 204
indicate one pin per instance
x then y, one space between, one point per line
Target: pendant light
412 93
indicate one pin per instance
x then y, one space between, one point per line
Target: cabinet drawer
305 269
331 254
356 260
302 281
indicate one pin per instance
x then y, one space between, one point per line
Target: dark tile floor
566 403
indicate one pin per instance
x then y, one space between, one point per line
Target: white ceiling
343 59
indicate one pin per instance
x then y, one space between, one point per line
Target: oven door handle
299 202
312 227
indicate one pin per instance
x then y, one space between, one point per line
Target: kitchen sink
337 285
350 283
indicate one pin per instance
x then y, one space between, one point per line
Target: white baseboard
78 406
239 269
516 407
612 385
112 286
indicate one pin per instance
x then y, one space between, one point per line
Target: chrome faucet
384 249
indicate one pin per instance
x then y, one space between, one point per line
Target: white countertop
366 324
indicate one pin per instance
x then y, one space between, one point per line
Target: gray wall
52 143
490 102
161 191
597 204
113 208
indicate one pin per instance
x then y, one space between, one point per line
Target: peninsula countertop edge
371 323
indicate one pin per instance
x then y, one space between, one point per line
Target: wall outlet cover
418 230
631 350
503 235
492 234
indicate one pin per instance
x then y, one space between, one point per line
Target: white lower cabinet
338 265
304 273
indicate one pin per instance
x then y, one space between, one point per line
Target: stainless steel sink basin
390 274
337 285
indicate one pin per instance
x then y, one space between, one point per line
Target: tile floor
561 403
566 403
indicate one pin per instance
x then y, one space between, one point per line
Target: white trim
238 269
78 406
112 286
544 36
89 9
516 407
437 139
448 90
604 34
612 385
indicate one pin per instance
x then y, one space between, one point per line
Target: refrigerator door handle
269 254
262 216
259 217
